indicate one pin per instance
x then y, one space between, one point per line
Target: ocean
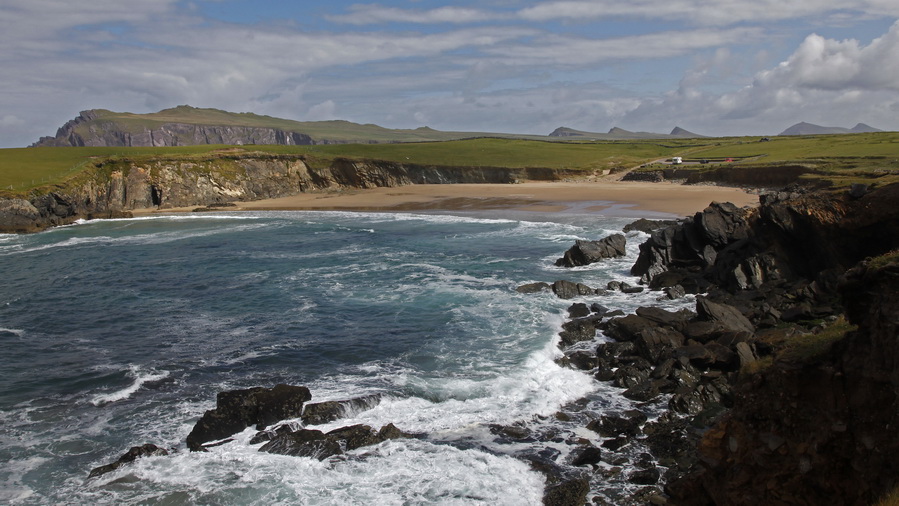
117 333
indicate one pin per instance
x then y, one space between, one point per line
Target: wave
139 379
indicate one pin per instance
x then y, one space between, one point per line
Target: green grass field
843 158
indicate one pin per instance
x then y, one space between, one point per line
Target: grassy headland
829 159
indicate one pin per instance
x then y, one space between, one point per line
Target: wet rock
578 310
583 360
565 289
582 329
237 409
136 452
599 309
644 391
588 252
534 288
586 455
616 425
324 412
319 445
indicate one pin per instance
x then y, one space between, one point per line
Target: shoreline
614 198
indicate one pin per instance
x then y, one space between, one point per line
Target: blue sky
714 67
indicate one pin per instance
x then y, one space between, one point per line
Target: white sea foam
139 376
392 473
16 332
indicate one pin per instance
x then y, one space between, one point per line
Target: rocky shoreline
775 388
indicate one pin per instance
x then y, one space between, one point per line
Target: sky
713 67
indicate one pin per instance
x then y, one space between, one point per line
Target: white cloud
705 12
367 14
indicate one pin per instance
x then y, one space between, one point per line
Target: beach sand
613 198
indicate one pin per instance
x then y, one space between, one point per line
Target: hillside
187 126
804 128
616 133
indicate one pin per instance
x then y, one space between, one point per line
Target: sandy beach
605 197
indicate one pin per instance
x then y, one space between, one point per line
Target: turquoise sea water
117 333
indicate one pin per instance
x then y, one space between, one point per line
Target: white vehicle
676 160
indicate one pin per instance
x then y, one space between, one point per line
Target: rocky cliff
810 421
112 188
90 129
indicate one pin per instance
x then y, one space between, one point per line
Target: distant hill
616 133
186 126
804 128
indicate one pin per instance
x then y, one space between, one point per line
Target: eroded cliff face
819 431
109 133
114 188
815 426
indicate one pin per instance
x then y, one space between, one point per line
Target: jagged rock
319 445
728 317
588 252
626 328
675 320
237 409
655 342
581 329
136 452
648 226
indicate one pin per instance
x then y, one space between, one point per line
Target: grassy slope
843 158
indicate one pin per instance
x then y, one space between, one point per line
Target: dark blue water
117 333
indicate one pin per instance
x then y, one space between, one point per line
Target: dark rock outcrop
136 452
812 430
238 409
320 445
588 252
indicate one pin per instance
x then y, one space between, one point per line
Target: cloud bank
732 67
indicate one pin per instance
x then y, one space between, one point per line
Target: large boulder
238 409
588 252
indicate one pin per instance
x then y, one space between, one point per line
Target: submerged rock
136 452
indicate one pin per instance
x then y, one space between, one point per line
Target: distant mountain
185 126
616 133
804 128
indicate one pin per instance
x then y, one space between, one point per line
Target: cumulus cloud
823 81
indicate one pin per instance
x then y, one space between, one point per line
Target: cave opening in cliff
155 195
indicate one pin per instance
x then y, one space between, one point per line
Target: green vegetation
837 160
791 347
884 260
